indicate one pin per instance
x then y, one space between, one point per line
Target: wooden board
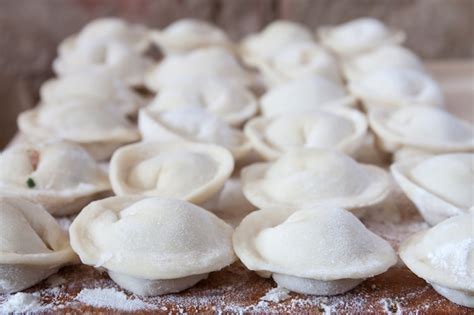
237 290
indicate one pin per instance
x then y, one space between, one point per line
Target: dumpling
273 38
233 103
199 65
444 257
152 246
60 176
421 127
441 186
341 129
397 87
298 60
188 171
185 35
305 177
192 123
389 56
358 36
97 127
119 60
108 44
315 250
230 203
99 86
304 94
107 30
32 245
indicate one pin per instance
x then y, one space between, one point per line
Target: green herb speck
30 183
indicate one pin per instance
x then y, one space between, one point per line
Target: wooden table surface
237 290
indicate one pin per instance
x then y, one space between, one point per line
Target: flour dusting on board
21 303
276 295
110 298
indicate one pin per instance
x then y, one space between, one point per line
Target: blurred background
31 30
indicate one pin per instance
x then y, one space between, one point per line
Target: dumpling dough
277 35
444 257
441 186
118 59
304 94
192 123
358 36
389 56
306 177
99 86
32 245
298 60
335 128
421 127
198 66
152 246
97 127
315 250
397 87
108 44
233 103
60 176
185 35
181 170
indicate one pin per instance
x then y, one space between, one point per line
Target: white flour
21 303
112 299
276 295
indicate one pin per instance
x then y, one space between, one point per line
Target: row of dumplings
153 246
195 112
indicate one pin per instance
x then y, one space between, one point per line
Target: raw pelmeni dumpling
307 177
315 250
119 60
192 123
277 35
233 103
397 87
198 66
298 60
60 176
441 186
358 36
444 257
185 35
100 86
389 56
182 170
106 44
342 129
152 246
421 127
97 127
105 30
304 94
32 245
